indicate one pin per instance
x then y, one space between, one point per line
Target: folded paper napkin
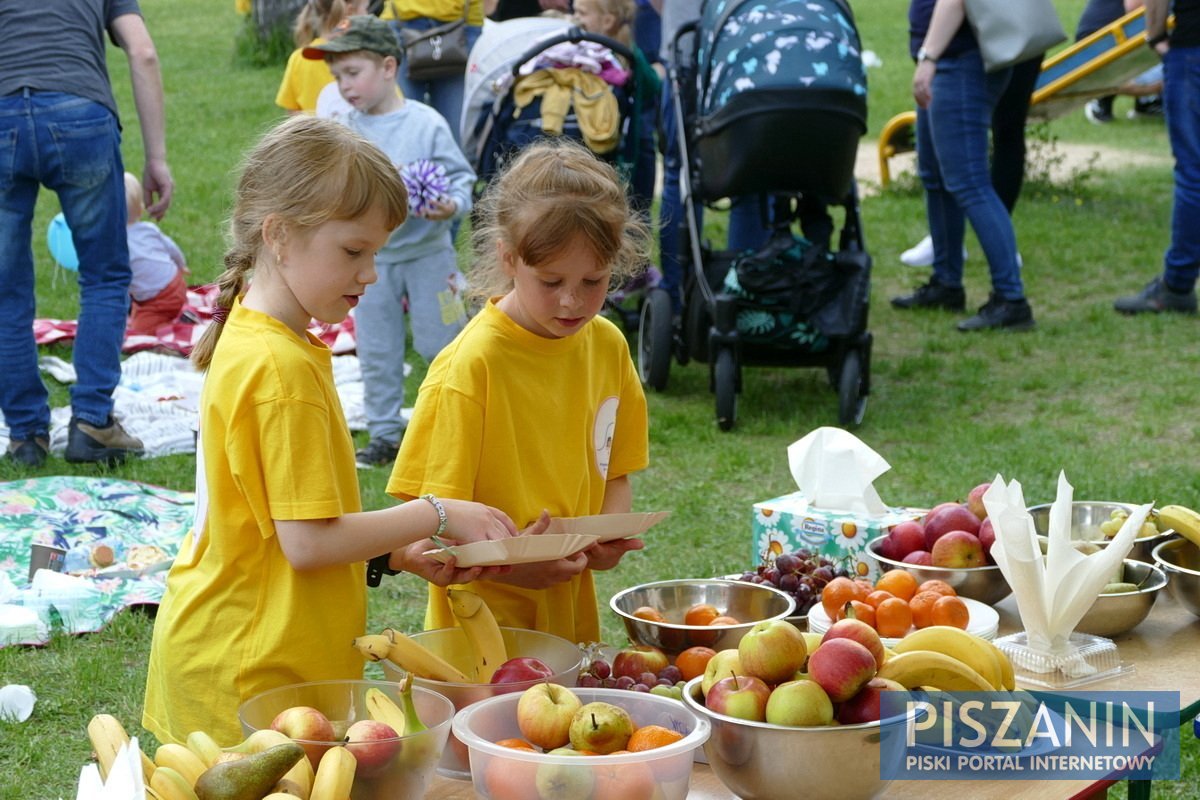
1053 591
835 469
124 781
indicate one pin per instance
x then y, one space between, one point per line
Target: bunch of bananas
1183 520
484 644
949 659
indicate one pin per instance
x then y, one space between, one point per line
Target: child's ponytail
318 18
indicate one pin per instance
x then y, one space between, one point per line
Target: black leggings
1008 131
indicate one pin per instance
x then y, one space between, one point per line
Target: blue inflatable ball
62 247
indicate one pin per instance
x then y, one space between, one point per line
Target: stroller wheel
852 395
725 385
655 340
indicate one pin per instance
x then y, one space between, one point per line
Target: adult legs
1182 87
1008 131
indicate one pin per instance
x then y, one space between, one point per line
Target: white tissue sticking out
871 60
16 702
125 779
835 469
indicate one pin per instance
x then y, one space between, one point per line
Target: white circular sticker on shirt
602 433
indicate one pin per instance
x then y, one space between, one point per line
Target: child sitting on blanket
158 288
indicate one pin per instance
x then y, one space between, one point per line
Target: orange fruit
724 619
634 781
510 779
701 614
516 744
951 611
893 617
691 662
649 737
862 612
922 608
836 594
878 596
649 614
941 587
864 588
899 582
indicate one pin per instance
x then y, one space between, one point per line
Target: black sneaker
1150 107
1012 315
377 453
933 295
108 445
29 453
1099 112
1157 297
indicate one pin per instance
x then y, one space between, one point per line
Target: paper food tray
1090 659
983 621
517 550
608 527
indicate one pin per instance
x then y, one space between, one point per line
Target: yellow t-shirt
444 10
303 80
521 422
236 618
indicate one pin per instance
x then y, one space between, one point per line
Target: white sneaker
921 254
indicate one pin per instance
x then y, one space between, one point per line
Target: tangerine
951 611
649 614
836 594
900 582
878 596
649 737
922 608
516 744
893 617
862 612
701 614
634 781
935 585
691 662
723 620
864 588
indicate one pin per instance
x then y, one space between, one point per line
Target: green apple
772 650
740 696
800 704
563 781
544 714
722 665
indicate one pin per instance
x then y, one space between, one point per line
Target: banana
297 781
107 734
1008 679
170 785
933 669
335 775
382 708
483 632
414 657
956 643
180 759
1185 521
204 747
374 646
412 720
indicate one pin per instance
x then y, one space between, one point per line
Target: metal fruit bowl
1114 614
1086 517
749 603
776 762
985 584
1180 559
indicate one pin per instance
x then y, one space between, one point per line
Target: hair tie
220 315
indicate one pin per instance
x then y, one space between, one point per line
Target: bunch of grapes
802 574
668 682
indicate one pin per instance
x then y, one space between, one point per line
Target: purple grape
772 575
641 687
670 673
665 682
789 581
608 683
787 563
648 678
625 682
823 574
600 668
589 681
804 554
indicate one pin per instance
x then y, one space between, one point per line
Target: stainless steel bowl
1086 516
774 762
985 584
1114 614
748 603
1180 559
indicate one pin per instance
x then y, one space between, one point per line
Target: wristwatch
924 55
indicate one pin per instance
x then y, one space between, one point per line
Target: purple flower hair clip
426 183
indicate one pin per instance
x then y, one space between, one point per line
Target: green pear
1119 588
250 777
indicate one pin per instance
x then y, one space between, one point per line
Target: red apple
772 650
858 631
520 669
601 727
958 549
864 706
306 725
987 538
544 714
739 696
722 665
905 538
939 507
635 660
921 558
975 500
841 667
799 703
373 744
946 518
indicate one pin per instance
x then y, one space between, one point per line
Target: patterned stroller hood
748 45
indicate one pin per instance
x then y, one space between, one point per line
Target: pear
1121 587
250 777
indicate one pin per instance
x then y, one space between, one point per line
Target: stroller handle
573 34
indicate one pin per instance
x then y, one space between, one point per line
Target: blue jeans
444 94
1181 100
952 161
73 147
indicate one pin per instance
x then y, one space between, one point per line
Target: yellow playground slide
1101 64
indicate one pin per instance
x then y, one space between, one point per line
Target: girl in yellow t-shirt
269 587
304 78
536 406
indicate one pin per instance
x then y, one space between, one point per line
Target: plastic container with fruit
501 772
386 767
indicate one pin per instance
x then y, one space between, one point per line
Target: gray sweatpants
437 315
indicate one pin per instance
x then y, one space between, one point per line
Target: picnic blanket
140 522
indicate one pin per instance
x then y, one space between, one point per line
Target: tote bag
439 52
1011 31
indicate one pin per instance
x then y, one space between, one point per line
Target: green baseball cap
363 32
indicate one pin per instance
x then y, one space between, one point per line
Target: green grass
1106 398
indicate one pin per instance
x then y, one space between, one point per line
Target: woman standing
955 98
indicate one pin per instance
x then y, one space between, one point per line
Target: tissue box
788 523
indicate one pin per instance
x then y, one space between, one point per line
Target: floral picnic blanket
66 511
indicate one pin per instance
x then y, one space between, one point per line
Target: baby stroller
770 99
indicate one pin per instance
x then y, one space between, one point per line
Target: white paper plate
983 621
609 527
517 550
